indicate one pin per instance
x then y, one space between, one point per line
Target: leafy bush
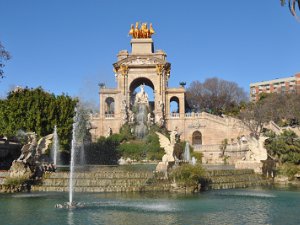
289 170
188 174
284 147
197 155
103 151
13 182
179 149
153 149
134 150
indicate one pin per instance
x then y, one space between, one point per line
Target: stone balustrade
174 115
216 148
108 116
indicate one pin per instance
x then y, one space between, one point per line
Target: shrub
134 150
188 174
289 170
14 181
103 151
284 147
197 155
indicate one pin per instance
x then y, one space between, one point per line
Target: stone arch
136 83
174 106
197 138
110 106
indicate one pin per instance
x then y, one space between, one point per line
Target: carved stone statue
168 157
124 110
161 107
131 117
124 106
149 120
255 155
159 120
28 150
174 136
168 146
31 156
142 96
109 132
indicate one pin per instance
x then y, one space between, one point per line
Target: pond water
239 206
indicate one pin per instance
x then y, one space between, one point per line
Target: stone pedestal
142 46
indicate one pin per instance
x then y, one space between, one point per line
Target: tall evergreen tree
39 111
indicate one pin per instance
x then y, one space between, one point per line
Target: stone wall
103 179
214 129
229 179
116 179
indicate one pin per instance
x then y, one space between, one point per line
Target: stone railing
216 148
174 115
108 116
207 116
94 116
192 115
215 118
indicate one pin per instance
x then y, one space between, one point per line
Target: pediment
139 61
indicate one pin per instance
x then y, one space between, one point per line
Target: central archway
136 83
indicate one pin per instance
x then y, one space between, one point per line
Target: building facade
144 66
280 85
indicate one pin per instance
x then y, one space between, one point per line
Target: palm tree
292 6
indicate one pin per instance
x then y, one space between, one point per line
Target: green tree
39 111
284 147
4 56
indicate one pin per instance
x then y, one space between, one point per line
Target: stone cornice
141 61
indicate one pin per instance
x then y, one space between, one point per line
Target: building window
197 138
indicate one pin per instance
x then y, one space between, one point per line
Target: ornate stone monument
146 67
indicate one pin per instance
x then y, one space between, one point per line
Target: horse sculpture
142 32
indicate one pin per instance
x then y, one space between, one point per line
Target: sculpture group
142 32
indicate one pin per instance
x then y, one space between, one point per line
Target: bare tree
283 109
254 116
214 95
4 56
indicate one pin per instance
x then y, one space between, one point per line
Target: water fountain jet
55 146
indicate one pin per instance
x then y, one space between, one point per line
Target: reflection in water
131 217
70 217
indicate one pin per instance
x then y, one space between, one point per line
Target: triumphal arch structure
129 103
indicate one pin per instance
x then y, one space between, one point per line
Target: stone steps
94 182
104 181
227 179
100 175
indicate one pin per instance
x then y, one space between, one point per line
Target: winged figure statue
167 146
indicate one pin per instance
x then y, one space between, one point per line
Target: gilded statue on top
142 32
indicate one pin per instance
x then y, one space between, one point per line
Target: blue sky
70 46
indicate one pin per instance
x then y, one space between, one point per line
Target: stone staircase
228 179
102 179
120 179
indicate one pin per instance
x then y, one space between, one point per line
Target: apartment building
278 85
